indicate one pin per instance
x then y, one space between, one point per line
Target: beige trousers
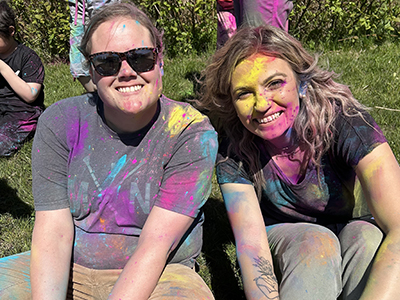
176 282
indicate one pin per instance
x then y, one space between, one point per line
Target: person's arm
160 235
379 174
252 247
28 91
52 241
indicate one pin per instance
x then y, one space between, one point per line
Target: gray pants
313 263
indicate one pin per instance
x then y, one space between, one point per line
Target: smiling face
265 95
130 98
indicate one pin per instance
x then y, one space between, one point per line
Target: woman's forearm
140 275
51 252
258 275
383 281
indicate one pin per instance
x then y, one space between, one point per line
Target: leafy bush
189 25
44 26
329 21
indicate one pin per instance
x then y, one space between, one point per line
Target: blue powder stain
118 166
207 145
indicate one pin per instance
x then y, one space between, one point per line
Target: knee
361 238
316 246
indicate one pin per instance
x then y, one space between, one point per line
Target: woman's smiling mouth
129 89
269 118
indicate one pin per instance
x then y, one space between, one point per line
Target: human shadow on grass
11 203
216 238
217 234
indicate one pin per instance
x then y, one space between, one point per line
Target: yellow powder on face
248 74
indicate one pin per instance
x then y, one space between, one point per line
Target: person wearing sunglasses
119 179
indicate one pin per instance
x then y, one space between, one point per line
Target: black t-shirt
28 66
336 199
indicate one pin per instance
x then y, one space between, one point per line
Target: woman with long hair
308 179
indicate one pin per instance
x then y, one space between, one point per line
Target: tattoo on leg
266 282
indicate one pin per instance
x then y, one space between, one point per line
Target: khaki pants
176 282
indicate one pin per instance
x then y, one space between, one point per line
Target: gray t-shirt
110 182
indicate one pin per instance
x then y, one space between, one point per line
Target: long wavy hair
318 108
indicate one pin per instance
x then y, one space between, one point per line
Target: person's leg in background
79 68
226 21
259 12
16 128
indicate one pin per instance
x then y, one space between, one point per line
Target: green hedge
190 25
332 21
44 26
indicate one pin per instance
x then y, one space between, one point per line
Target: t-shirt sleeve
355 137
32 69
49 162
230 169
187 178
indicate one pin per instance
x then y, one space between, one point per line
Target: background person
263 12
233 14
301 166
119 179
226 25
81 11
21 87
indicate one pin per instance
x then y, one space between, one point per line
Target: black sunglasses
109 63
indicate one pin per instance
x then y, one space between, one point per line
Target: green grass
372 73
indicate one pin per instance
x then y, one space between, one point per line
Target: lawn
372 73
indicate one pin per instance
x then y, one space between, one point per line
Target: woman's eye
242 95
276 84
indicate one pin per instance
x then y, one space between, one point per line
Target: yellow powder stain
181 117
373 167
315 190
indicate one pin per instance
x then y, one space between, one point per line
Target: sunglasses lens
141 60
106 64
